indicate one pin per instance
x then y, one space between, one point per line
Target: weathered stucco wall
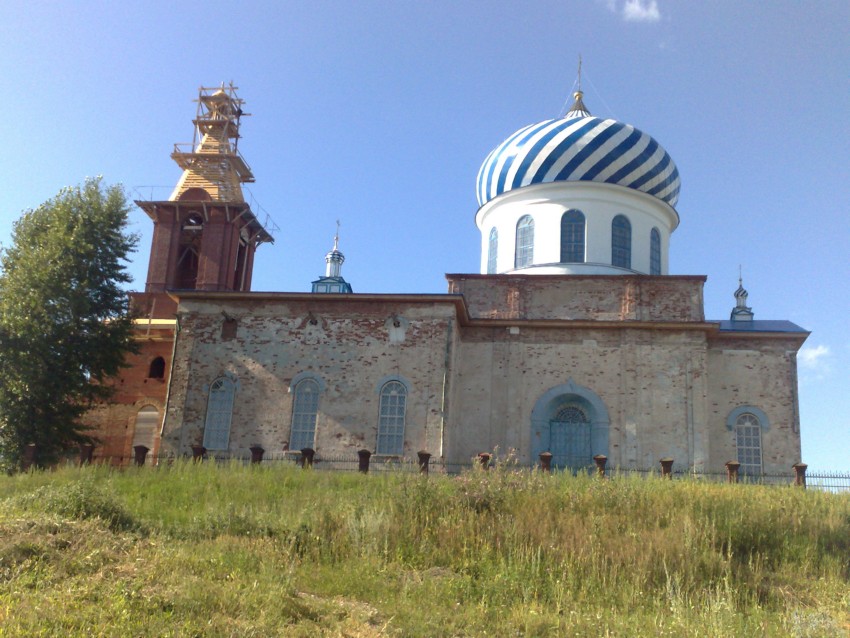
761 373
649 381
353 347
665 387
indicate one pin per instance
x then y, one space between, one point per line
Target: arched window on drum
492 251
654 252
524 255
621 242
572 237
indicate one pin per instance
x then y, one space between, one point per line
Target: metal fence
367 462
829 481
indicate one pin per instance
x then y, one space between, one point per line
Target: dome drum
589 252
578 194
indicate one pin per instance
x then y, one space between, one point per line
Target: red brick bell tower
205 236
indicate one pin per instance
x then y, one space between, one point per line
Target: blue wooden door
569 439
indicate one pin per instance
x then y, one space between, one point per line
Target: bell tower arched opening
188 260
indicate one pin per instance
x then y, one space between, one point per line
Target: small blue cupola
333 281
741 311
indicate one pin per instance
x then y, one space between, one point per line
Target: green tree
65 325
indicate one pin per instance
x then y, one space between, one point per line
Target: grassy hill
272 550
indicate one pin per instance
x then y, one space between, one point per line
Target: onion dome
333 281
334 259
741 311
579 147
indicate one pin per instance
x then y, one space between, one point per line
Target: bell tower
204 238
205 233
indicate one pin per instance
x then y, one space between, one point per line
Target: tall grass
232 549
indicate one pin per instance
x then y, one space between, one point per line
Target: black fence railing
829 481
366 461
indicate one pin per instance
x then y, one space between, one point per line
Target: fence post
667 468
140 451
732 471
256 453
484 459
86 454
800 474
424 460
601 460
307 454
198 453
363 457
28 459
546 462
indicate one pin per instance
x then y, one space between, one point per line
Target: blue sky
380 113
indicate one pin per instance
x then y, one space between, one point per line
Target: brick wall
113 423
576 297
350 346
640 375
761 373
474 384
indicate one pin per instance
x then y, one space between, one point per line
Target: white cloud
641 11
814 358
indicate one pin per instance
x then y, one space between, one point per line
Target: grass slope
234 550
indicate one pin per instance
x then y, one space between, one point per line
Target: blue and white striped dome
579 147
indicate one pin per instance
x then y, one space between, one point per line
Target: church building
573 339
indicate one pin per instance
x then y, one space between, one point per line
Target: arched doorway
146 428
571 422
569 437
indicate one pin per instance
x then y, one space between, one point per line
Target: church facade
573 339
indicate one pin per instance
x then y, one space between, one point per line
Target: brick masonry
478 361
113 423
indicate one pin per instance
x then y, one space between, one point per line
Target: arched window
748 442
193 222
621 242
157 369
492 251
187 266
747 422
219 413
189 251
654 252
524 255
391 418
229 329
305 410
572 237
147 426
